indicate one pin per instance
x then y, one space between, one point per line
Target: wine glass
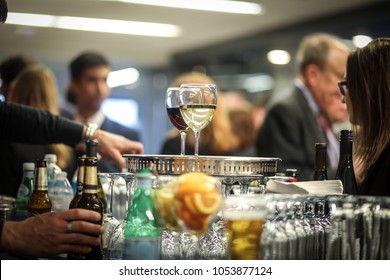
174 114
116 237
197 106
109 221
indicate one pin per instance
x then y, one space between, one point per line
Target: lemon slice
206 204
166 196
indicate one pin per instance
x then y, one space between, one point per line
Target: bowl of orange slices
196 200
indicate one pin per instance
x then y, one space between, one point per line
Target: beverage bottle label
23 191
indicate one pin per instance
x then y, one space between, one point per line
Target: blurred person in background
302 118
367 95
260 104
217 138
338 116
35 86
242 117
9 69
89 72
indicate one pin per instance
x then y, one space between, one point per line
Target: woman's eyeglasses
343 87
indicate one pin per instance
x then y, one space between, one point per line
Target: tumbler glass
244 217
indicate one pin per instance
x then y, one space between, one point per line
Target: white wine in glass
198 116
198 103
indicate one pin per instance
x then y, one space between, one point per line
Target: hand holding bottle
54 233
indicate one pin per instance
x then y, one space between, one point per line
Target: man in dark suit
301 116
88 85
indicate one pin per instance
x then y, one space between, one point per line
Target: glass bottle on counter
92 152
90 201
320 170
52 169
25 190
80 182
61 192
39 201
142 233
345 171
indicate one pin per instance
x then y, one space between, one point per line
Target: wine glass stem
183 142
197 133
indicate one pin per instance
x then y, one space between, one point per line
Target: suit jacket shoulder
290 131
114 127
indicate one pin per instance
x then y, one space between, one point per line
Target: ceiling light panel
237 7
96 25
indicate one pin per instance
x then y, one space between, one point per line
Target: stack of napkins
307 187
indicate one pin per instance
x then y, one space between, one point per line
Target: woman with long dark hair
367 95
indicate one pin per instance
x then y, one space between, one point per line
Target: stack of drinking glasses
270 226
360 228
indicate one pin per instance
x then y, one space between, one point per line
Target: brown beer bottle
39 201
79 184
320 170
90 200
92 152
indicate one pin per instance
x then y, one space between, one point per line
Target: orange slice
196 199
191 221
190 205
206 204
195 182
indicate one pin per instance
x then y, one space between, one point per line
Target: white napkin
307 187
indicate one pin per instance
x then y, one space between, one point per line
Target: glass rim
196 85
173 88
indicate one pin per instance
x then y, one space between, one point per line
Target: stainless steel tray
212 165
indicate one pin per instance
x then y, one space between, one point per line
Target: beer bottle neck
40 180
90 180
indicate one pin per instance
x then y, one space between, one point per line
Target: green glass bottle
80 183
142 233
25 190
